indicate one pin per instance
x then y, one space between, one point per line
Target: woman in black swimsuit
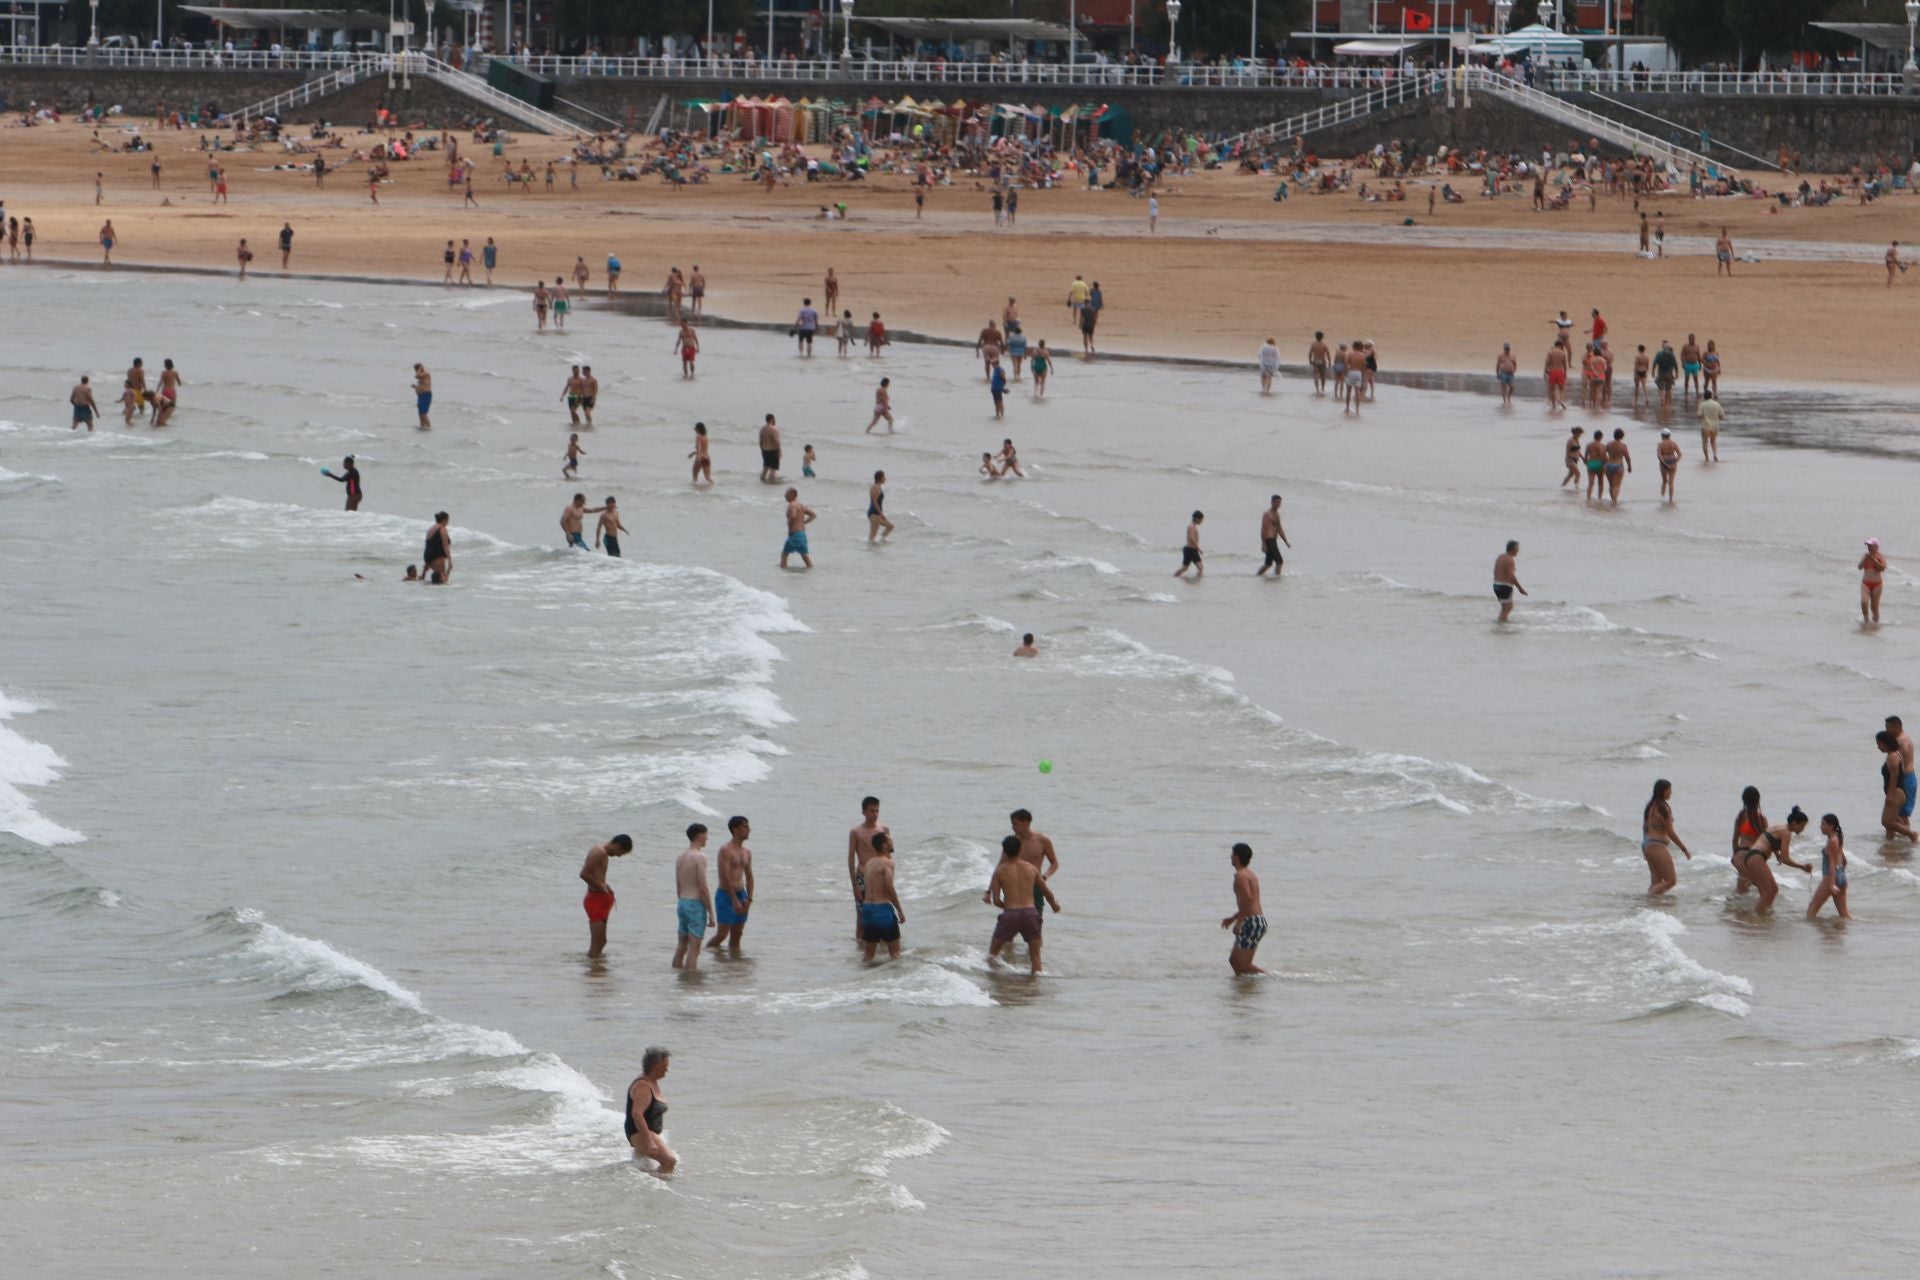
644 1099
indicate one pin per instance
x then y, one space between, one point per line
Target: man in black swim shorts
1506 580
770 452
1272 534
1190 553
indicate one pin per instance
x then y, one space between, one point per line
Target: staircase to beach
414 63
1413 88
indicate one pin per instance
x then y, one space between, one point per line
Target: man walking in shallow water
1248 923
1506 580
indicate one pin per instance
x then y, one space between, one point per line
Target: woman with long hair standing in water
1750 851
1833 871
1658 839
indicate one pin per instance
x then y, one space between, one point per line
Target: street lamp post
1173 31
1502 10
846 31
93 41
1913 17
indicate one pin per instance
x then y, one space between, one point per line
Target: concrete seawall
1829 132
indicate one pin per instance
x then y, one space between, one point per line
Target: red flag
1416 21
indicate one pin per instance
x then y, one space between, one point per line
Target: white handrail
182 59
473 86
1728 83
1404 89
1677 127
320 86
1554 108
414 63
1236 75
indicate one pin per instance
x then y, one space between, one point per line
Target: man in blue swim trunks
799 516
730 905
880 913
423 394
859 849
695 909
1902 762
571 518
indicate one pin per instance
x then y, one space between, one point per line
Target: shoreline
1463 381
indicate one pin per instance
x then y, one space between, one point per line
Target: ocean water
292 963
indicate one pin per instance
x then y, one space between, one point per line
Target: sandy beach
1228 266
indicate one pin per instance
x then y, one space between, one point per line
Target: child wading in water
1833 871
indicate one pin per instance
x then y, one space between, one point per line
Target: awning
305 19
1881 35
1378 48
969 28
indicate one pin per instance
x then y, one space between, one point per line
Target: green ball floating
1046 766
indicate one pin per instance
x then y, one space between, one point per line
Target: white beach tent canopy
1540 41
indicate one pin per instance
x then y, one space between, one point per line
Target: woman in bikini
1753 837
1833 871
1710 369
1873 568
1658 839
1749 861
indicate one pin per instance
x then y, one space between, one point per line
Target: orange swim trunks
599 905
1558 377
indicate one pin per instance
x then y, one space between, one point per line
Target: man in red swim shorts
1558 357
599 900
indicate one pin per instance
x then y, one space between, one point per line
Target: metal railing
1677 130
418 64
319 87
1591 122
1404 89
1235 75
181 59
1727 83
1241 75
473 86
785 71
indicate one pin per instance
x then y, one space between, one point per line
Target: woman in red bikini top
1751 854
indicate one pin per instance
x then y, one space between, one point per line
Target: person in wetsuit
644 1096
350 477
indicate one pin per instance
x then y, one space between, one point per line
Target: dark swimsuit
436 549
654 1115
